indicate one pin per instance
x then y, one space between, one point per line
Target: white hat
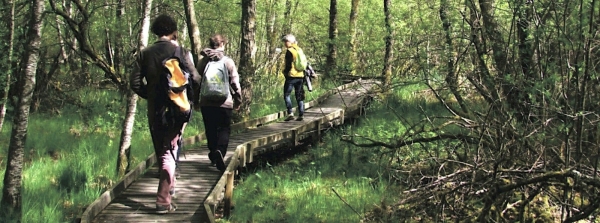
289 38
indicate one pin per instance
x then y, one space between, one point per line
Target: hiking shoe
300 118
290 117
163 209
217 157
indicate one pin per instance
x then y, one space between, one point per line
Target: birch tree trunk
353 30
272 39
11 193
132 98
389 44
194 32
333 33
246 67
10 26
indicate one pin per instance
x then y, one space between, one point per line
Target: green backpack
301 62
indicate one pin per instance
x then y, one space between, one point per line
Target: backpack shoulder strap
225 69
178 52
181 53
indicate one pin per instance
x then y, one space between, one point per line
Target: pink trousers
165 141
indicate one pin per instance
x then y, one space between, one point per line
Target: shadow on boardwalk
201 187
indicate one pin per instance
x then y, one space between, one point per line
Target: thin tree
246 69
333 33
451 75
353 31
11 193
389 43
271 29
287 17
193 31
9 21
132 98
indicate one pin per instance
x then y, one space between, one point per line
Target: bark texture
389 43
9 22
333 33
247 49
194 32
11 193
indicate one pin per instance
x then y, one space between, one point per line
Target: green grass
304 188
70 155
301 188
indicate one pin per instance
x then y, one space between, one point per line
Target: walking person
294 78
165 123
220 94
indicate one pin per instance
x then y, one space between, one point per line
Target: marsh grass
311 187
70 154
305 186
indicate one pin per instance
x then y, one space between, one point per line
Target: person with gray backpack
219 95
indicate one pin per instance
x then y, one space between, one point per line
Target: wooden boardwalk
201 187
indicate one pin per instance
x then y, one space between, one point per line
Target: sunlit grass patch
334 181
288 193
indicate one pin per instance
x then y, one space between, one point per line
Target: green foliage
304 189
71 156
73 134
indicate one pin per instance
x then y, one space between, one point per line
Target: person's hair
216 41
163 25
289 38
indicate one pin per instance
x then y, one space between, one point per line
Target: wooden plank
99 204
228 194
202 186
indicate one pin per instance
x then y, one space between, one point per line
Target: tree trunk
246 68
11 193
119 59
61 42
482 80
287 17
525 55
109 50
10 26
451 75
389 44
333 33
353 30
192 25
123 160
272 39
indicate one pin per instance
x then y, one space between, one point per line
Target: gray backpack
215 81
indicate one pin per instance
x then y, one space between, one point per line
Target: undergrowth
71 153
331 181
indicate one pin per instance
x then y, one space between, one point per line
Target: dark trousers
217 127
296 85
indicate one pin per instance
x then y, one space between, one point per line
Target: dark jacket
234 78
149 68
